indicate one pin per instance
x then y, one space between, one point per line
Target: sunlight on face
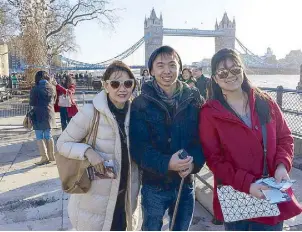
165 69
229 82
119 95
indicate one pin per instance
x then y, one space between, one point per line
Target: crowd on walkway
155 143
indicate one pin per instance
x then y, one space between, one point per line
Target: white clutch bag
237 206
64 101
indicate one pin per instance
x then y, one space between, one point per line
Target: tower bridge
154 31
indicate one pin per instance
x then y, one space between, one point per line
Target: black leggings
119 222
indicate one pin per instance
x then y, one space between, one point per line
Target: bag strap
95 115
264 135
96 126
263 122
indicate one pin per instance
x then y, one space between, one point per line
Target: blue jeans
156 200
251 226
64 117
43 134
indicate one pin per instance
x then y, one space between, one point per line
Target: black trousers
119 222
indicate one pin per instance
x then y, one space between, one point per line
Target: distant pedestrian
67 88
42 98
202 82
187 77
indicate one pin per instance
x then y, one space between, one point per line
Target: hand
176 164
184 174
54 82
256 190
96 160
281 173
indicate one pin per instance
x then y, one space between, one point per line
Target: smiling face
186 74
165 69
229 76
119 88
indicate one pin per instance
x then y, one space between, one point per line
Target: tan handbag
27 122
72 172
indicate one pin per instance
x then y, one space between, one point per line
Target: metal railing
290 101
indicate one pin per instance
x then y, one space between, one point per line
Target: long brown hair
215 92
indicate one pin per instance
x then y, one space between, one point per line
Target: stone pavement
31 197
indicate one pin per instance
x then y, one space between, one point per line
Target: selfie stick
177 203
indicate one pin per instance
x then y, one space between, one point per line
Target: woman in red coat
66 113
230 134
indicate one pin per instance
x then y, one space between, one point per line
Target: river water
272 81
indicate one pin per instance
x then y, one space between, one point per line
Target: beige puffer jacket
94 210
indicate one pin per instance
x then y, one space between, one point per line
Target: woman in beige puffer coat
110 204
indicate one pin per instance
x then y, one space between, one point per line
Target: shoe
43 152
50 145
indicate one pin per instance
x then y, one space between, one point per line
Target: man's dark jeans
251 226
156 200
64 117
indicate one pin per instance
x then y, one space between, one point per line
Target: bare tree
47 26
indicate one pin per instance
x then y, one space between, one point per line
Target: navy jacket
42 98
155 136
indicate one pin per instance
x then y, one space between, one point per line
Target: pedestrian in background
42 99
202 82
68 87
187 77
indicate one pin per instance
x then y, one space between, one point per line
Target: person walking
42 99
68 88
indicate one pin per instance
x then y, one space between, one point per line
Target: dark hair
215 92
163 50
187 69
197 67
69 81
40 75
118 66
145 71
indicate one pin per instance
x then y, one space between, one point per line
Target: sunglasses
128 84
224 73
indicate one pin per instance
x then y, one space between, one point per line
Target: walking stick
177 203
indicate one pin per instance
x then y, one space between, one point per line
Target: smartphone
183 154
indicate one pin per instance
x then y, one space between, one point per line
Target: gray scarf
170 101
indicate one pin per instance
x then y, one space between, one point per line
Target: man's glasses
224 73
116 84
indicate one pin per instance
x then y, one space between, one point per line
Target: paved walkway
31 197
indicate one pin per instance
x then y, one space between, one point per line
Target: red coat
234 152
70 91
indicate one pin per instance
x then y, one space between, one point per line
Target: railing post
301 73
83 97
280 96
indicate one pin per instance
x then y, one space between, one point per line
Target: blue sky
260 24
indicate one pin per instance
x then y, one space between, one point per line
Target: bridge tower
229 28
153 28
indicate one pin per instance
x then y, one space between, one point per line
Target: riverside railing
289 101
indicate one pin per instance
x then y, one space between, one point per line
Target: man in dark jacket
202 81
164 120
